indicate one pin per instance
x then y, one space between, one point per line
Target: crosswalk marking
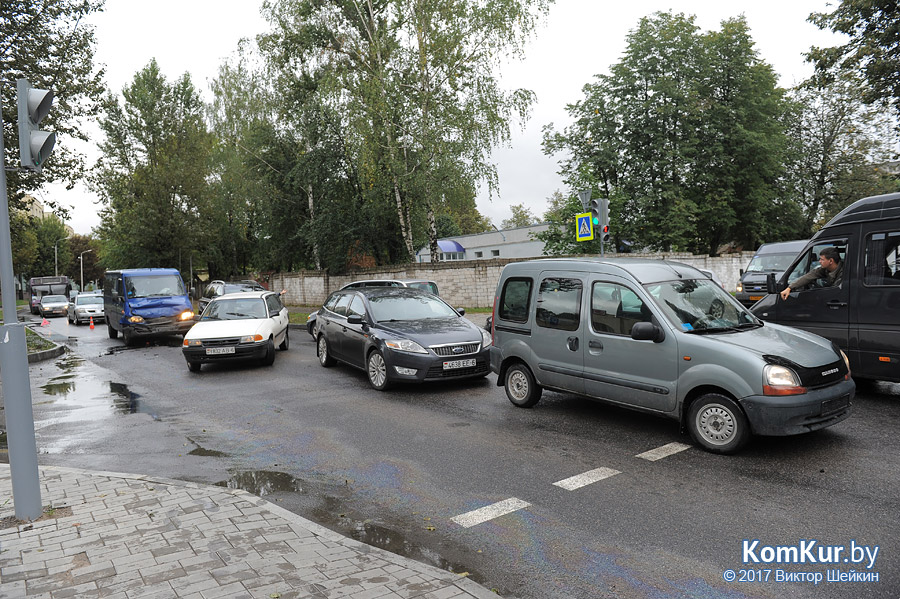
582 480
663 452
489 512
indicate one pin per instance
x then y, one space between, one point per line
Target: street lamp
55 252
81 260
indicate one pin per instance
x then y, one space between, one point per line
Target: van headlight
739 288
186 315
406 345
780 380
136 318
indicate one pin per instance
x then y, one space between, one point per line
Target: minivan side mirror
647 331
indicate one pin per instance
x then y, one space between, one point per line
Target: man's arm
806 279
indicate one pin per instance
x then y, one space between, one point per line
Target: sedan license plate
214 351
459 364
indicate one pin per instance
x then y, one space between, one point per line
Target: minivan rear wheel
521 388
718 424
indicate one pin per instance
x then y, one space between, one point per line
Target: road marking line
663 452
582 480
489 512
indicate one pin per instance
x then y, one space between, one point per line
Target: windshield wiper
744 326
239 314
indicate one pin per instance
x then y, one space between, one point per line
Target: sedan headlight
251 338
780 380
485 338
136 319
405 345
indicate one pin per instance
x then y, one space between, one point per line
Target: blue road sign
584 228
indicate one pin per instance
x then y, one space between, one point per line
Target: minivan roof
645 270
782 247
868 209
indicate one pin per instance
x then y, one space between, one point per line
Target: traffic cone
92 323
45 323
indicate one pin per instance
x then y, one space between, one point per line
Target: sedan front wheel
377 371
325 358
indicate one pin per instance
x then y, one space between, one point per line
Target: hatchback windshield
155 285
85 300
699 305
235 309
391 307
770 262
54 299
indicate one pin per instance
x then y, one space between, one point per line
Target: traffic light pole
14 374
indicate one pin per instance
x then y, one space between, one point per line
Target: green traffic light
596 220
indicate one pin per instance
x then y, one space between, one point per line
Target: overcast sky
580 39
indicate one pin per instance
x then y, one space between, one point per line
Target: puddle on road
332 513
262 482
207 453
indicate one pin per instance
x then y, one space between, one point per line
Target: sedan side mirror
461 311
647 331
355 319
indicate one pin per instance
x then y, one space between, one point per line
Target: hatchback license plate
459 364
214 351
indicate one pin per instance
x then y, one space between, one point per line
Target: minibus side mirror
770 283
741 272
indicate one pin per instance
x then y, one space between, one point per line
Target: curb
47 354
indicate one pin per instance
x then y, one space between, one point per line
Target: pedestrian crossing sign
584 228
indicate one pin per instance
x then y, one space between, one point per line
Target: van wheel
325 358
521 388
718 424
111 331
128 338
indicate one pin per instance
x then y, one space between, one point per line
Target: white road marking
663 452
582 480
489 512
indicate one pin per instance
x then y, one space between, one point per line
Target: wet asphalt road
393 468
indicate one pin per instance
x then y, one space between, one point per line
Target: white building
508 243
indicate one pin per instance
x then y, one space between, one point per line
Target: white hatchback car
238 326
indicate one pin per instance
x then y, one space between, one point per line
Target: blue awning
448 245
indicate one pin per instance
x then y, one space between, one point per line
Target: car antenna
672 268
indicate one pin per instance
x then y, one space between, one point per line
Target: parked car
238 326
400 335
53 305
217 288
84 307
860 315
660 337
770 258
422 284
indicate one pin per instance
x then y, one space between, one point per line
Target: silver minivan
661 337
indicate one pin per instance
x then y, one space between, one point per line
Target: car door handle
595 345
835 304
572 343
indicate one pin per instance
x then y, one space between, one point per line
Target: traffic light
34 145
604 220
595 213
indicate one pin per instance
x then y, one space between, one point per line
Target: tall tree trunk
403 217
432 235
315 245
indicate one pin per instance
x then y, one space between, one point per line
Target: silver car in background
84 307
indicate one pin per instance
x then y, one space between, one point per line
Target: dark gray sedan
400 335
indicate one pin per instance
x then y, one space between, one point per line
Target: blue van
146 302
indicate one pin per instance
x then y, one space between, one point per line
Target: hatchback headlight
251 338
780 380
405 345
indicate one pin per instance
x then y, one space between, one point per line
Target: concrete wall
469 283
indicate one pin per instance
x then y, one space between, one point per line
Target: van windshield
153 286
770 262
700 306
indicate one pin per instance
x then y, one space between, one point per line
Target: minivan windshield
770 262
700 306
153 286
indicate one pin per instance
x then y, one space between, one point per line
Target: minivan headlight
406 345
780 380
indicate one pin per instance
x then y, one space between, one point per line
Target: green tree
836 143
52 248
51 44
153 172
873 49
23 239
82 247
520 216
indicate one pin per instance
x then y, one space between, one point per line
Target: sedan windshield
412 307
85 300
235 309
54 299
700 306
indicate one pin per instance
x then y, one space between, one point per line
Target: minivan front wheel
718 424
521 388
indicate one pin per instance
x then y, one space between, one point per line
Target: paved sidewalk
131 536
